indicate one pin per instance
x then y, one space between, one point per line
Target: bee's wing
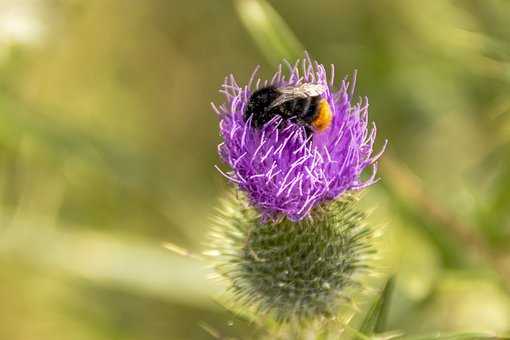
301 91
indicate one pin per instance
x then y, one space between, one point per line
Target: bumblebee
301 103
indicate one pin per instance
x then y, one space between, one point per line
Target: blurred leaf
494 215
271 33
137 266
375 320
397 188
104 153
452 336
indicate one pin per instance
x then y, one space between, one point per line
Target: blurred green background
107 147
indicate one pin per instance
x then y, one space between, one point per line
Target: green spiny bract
292 270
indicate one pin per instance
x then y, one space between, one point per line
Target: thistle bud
292 270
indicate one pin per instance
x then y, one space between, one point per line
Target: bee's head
258 107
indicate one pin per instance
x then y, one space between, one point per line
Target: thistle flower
284 170
284 250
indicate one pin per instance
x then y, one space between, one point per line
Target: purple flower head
283 168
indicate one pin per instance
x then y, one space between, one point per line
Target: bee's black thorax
303 110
